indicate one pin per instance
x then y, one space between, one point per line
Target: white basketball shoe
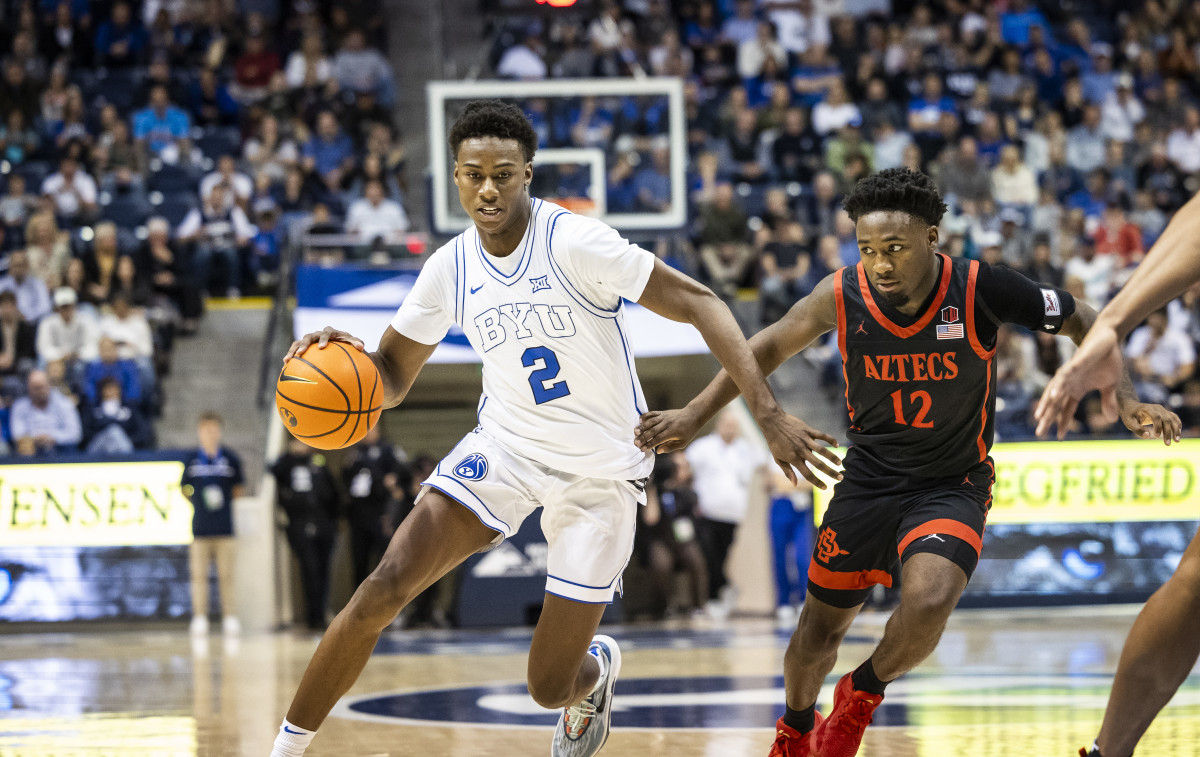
583 728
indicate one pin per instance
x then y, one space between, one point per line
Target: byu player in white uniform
539 293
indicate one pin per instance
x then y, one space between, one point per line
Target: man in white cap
65 335
1122 110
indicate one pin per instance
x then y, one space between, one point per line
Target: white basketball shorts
588 522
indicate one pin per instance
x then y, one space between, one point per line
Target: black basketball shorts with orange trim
877 519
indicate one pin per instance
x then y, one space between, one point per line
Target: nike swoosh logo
285 377
298 733
476 289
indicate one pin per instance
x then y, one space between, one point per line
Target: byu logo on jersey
494 324
472 467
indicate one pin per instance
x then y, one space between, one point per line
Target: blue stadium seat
117 87
126 211
35 172
175 206
170 179
219 140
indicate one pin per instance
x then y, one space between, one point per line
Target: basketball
329 398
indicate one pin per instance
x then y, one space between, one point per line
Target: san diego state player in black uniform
917 332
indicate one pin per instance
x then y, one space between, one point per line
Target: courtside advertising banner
1083 521
1089 482
94 505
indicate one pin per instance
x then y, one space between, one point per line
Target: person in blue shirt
120 41
1016 22
925 112
212 478
162 127
110 366
328 153
653 183
1092 200
113 425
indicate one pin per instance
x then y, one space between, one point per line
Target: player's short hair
210 416
901 189
493 118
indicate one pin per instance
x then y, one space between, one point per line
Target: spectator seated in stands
18 340
32 297
308 66
1160 358
254 68
120 162
170 273
110 365
375 217
210 102
1013 183
66 336
73 191
120 41
524 61
238 186
724 248
359 68
787 271
44 422
218 230
328 153
16 207
1115 235
163 129
113 425
17 91
129 328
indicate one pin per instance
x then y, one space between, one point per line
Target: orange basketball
329 398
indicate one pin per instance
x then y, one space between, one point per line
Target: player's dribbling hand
1151 422
797 446
665 430
322 338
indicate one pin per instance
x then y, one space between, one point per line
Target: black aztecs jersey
920 390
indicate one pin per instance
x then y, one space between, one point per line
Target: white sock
291 740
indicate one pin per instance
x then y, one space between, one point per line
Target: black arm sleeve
1006 296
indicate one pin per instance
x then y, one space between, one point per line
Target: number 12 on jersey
547 372
919 397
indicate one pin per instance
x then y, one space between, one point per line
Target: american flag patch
950 331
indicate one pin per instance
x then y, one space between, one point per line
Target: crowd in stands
1063 136
154 153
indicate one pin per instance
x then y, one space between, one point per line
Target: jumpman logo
966 480
933 536
861 328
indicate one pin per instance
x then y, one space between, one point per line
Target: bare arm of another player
1171 266
399 359
813 316
1145 420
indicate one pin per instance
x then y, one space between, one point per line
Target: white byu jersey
559 384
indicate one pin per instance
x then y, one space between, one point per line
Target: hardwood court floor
1029 683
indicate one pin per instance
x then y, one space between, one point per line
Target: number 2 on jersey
918 397
547 372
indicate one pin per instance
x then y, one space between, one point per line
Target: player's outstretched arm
399 359
675 296
1143 419
1171 266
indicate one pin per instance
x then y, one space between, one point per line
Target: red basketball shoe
842 731
791 743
